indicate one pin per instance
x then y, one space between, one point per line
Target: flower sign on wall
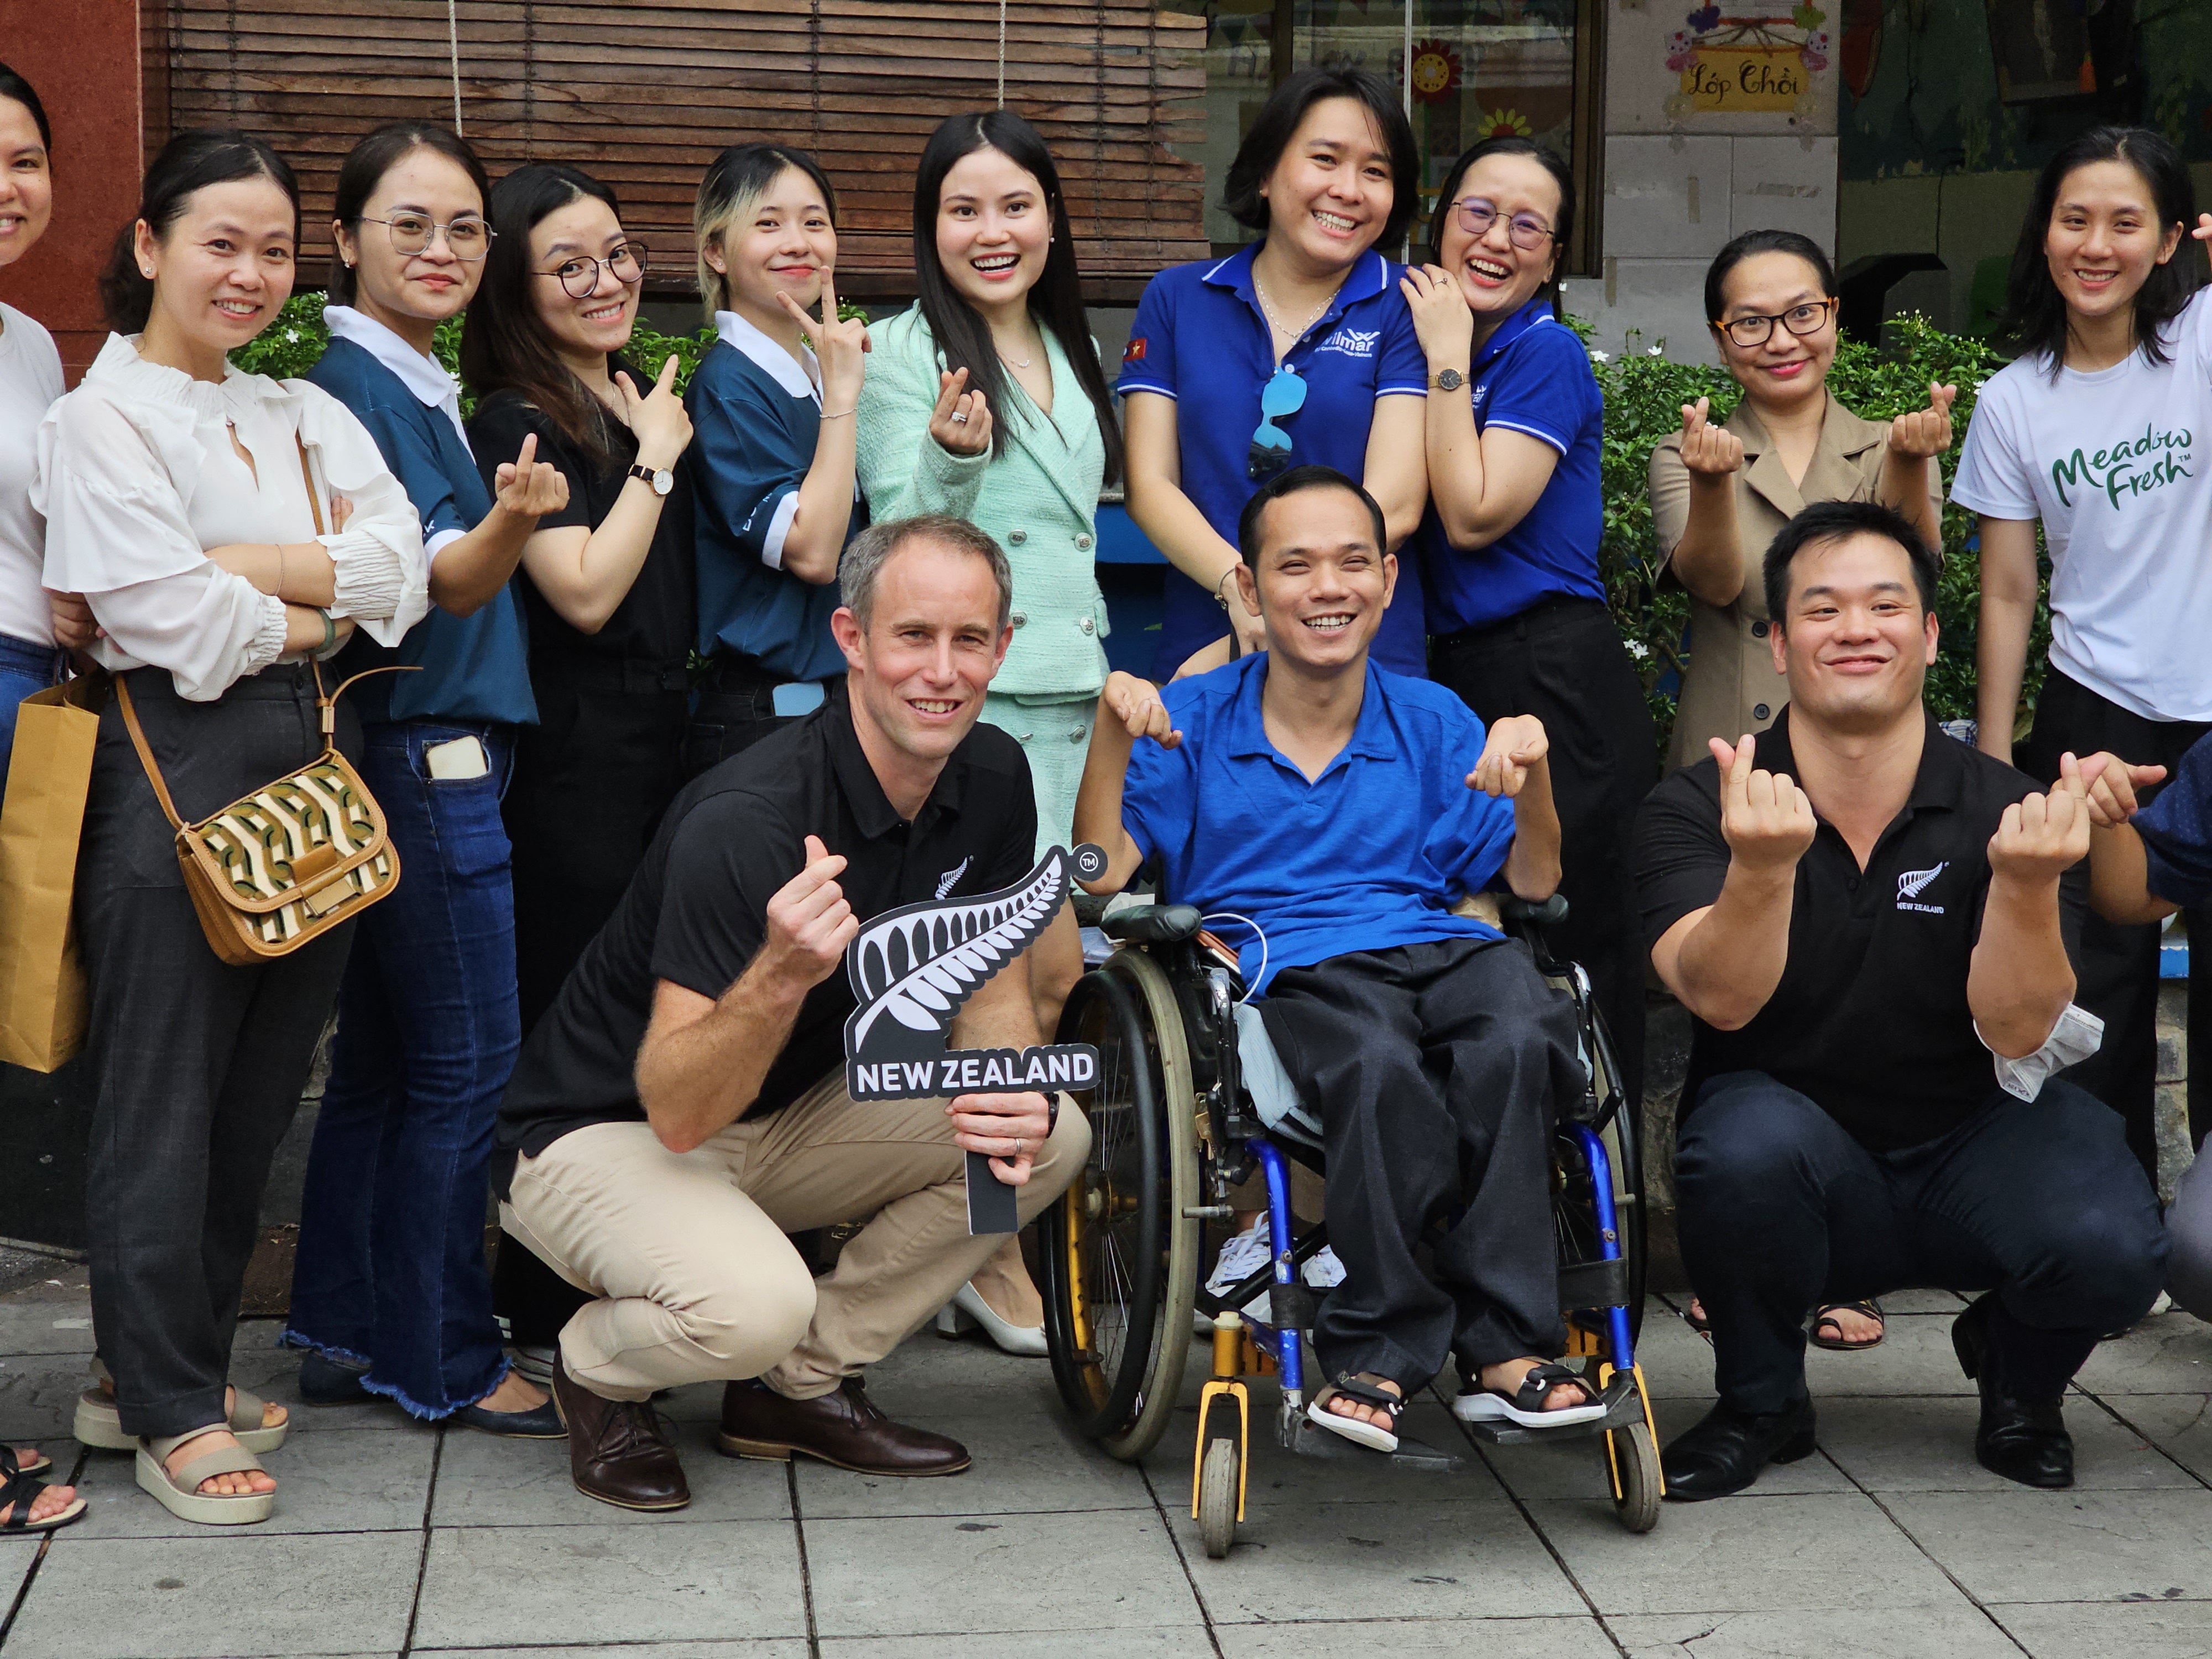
1732 65
1436 71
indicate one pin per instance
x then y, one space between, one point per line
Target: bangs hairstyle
13 86
505 347
188 164
1250 542
366 163
1056 301
1826 523
1277 124
734 182
1563 225
866 553
1753 242
2033 322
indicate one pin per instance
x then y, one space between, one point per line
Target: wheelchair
1175 1126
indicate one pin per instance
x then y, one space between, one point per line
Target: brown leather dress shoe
618 1451
841 1427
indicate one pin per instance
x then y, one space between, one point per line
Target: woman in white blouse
176 495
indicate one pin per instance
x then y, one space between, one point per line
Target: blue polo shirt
2177 832
1201 338
1366 857
1532 375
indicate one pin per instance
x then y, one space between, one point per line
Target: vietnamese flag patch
1134 351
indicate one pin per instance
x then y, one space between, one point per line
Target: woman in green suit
986 401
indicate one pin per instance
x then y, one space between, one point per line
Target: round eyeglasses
1808 319
466 240
1525 230
580 272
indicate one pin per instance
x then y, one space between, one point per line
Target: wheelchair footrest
1623 1406
1415 1456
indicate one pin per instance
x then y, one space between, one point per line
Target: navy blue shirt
1201 338
1366 856
2177 832
475 667
1532 376
754 425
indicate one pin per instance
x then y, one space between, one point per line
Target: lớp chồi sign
1746 65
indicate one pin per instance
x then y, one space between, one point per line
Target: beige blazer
1730 687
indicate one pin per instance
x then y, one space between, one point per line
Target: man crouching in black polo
1865 917
682 1106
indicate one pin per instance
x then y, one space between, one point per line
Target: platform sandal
1362 1388
18 1492
181 1493
98 1424
1524 1407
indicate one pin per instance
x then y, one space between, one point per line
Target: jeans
390 1271
1779 1208
25 667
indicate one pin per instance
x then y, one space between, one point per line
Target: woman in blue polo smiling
1510 549
1299 350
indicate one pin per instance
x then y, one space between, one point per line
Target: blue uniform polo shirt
1366 857
1532 375
2177 832
1201 338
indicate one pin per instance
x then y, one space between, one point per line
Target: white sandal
181 1494
98 1422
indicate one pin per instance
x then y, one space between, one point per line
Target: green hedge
1644 392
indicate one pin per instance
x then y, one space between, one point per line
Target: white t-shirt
30 380
2119 466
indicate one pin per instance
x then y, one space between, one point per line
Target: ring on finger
961 419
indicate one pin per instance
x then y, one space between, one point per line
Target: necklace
1297 333
1018 362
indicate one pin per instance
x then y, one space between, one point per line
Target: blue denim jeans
25 667
390 1271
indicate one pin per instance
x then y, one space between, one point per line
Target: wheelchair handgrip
1519 912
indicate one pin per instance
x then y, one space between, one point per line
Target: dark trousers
390 1271
2118 968
1779 1208
1563 662
1436 1069
196 1066
734 709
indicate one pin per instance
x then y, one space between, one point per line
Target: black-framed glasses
1524 230
467 239
580 272
1808 319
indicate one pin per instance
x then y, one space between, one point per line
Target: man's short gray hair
869 551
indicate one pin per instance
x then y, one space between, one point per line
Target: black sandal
19 1488
1358 1430
1524 1407
1825 1314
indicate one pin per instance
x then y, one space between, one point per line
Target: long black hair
1277 124
13 86
1510 144
366 163
504 347
731 187
1056 301
2033 321
188 163
1763 241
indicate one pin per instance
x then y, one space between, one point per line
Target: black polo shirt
1870 1018
695 911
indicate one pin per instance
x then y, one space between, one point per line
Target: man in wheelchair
1338 810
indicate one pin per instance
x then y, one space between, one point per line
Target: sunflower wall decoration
1435 72
1503 124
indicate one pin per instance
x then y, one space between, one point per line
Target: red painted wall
83 57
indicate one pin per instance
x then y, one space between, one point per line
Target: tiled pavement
390 1538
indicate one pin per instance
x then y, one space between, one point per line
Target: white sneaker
1323 1272
1241 1257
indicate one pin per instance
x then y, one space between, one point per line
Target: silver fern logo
951 878
1912 883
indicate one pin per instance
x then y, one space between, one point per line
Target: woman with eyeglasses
607 580
390 1294
1296 350
1720 492
1510 546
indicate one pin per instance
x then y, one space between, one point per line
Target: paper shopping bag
44 1006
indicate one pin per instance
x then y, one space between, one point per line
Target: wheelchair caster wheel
1217 1498
1636 1472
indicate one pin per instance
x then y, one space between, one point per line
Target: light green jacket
1038 496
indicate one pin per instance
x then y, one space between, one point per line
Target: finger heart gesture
1766 818
961 422
1713 452
1926 432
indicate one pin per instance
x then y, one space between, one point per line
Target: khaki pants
687 1255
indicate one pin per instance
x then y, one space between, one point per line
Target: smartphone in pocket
458 757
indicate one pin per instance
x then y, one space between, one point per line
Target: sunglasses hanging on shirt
1285 394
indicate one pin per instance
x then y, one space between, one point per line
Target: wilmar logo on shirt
2134 466
1353 342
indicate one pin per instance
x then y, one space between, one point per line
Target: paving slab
2105 1630
1363 1561
38 1399
1928 1446
1418 1638
2024 1546
53 1316
494 1586
1279 1479
1027 1458
324 1483
1963 1631
1914 1357
485 1480
942 1577
2171 1353
745 1647
1181 1642
1745 1554
246 1593
2179 1425
929 1373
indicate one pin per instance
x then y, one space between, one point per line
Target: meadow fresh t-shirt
2119 466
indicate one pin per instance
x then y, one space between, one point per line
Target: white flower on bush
1637 649
1597 356
1651 351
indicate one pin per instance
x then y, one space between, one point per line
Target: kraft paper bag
44 1004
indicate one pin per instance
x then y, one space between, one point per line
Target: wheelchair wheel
1217 1496
1636 1465
1119 1251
